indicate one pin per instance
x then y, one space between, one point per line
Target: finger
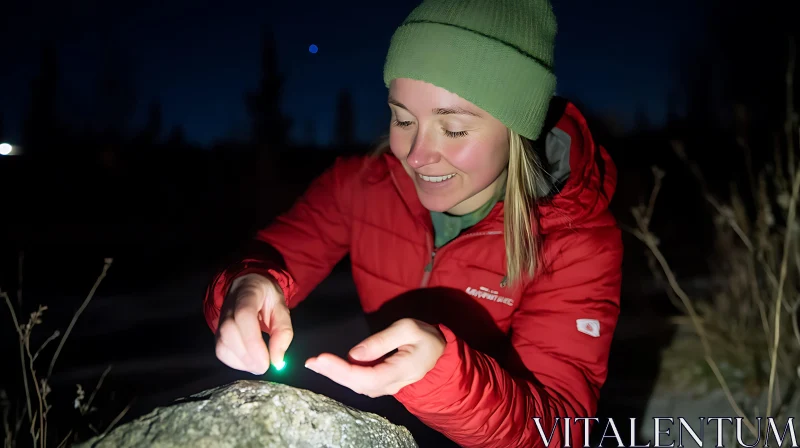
229 337
362 380
253 341
379 344
229 358
280 335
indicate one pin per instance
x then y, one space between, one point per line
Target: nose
422 153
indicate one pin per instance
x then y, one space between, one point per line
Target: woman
480 235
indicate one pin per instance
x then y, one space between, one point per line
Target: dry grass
750 321
35 410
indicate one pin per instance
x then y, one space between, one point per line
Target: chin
437 203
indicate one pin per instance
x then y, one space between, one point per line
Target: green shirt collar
446 226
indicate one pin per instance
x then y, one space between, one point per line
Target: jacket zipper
428 267
426 276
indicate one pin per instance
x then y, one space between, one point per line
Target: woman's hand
419 345
254 304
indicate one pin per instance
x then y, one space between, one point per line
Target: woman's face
455 152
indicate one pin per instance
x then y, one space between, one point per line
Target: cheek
399 142
479 158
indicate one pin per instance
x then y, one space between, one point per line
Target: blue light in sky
313 49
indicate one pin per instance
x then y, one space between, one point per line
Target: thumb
379 344
281 334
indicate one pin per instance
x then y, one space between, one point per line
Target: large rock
257 414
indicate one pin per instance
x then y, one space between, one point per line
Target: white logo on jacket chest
488 294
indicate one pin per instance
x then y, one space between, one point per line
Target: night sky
199 57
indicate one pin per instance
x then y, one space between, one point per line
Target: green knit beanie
496 54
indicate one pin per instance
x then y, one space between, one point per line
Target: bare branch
44 344
641 215
648 240
65 439
658 174
790 221
83 306
118 418
20 264
21 353
99 384
8 441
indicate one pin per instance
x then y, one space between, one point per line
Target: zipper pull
429 266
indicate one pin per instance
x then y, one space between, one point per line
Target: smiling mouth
435 178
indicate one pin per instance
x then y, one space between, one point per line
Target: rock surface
257 414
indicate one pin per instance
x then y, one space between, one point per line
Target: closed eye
455 134
402 124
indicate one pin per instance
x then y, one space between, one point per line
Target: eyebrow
439 110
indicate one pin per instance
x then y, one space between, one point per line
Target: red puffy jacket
538 350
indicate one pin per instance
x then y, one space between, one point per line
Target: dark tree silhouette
733 86
177 136
115 102
269 126
238 133
753 48
741 62
696 77
345 120
153 128
41 124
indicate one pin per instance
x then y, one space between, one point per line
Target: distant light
313 49
5 149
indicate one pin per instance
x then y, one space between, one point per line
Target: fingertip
358 352
280 365
264 365
277 348
258 366
278 360
326 359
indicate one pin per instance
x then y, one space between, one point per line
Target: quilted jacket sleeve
301 247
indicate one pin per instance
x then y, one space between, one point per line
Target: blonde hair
525 179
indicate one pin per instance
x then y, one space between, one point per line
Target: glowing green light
280 365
